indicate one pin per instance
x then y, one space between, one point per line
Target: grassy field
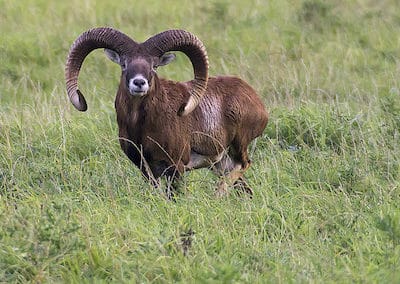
326 171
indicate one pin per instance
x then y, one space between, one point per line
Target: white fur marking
211 109
138 90
198 161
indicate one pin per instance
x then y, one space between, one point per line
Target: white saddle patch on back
211 110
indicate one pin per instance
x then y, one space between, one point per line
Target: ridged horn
87 42
189 44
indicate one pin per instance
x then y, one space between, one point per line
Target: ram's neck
132 110
128 114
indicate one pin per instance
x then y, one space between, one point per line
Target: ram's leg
227 180
243 187
173 176
148 175
231 175
172 187
136 156
240 153
231 169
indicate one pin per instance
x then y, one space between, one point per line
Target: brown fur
161 143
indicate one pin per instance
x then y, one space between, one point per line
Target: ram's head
138 61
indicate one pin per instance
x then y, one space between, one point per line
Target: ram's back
230 108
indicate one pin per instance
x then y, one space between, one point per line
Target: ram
167 127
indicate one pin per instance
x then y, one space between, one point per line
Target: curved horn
83 45
180 40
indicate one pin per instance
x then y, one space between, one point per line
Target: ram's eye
123 65
155 68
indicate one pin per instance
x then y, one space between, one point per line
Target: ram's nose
138 86
139 82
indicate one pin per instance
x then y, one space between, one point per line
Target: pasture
325 172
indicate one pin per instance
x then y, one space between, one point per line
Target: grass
325 172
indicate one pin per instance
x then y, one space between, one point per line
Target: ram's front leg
172 174
154 181
174 180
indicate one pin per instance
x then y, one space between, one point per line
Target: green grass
325 172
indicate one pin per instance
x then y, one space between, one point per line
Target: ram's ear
113 56
166 59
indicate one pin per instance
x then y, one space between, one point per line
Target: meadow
325 173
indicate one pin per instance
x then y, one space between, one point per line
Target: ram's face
138 71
